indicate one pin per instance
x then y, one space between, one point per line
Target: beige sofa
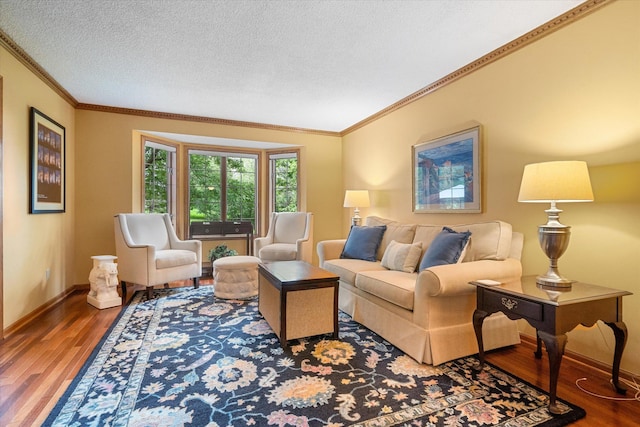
428 314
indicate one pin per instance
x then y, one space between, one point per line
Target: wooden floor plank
38 362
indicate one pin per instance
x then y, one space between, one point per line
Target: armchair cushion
363 242
143 229
289 228
446 248
174 258
279 252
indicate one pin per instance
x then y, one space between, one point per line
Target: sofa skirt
434 346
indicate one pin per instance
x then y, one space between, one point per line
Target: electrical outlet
47 273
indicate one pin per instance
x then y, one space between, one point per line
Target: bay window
223 186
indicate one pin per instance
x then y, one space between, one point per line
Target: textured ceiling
323 65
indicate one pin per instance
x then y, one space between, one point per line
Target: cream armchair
290 237
150 253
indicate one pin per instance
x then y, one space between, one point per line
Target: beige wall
575 94
32 243
108 157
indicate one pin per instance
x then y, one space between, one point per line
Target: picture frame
47 164
447 175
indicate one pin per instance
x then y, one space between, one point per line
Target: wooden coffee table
298 299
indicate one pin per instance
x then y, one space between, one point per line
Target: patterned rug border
125 311
98 353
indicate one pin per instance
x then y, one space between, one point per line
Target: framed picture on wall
447 175
47 161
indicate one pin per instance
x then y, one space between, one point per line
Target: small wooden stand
298 300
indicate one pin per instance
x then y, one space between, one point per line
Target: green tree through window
222 186
159 178
284 182
222 183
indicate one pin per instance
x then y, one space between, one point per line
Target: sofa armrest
329 249
453 279
443 296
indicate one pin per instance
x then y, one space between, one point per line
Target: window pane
241 189
222 186
205 195
156 180
285 179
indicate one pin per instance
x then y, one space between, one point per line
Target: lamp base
554 240
554 281
356 220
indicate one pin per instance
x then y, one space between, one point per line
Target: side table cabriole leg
555 349
538 352
620 332
478 320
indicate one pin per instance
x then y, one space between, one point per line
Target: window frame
173 172
224 152
273 155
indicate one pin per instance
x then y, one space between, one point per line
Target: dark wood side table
298 299
213 230
554 312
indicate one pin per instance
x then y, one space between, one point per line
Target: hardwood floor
38 362
520 361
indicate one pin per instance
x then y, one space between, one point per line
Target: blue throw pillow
363 242
446 248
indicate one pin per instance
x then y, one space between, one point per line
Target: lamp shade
356 199
560 181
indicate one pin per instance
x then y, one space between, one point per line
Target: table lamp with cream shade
356 199
555 182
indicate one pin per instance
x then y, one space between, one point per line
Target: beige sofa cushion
489 240
348 268
401 233
396 287
425 234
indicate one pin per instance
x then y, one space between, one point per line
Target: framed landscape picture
447 175
47 161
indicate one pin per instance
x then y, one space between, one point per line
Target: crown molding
543 30
202 119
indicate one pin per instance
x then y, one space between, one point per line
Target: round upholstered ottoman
235 277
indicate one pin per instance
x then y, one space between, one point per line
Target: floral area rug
186 358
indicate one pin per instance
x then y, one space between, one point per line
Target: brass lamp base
552 282
554 240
